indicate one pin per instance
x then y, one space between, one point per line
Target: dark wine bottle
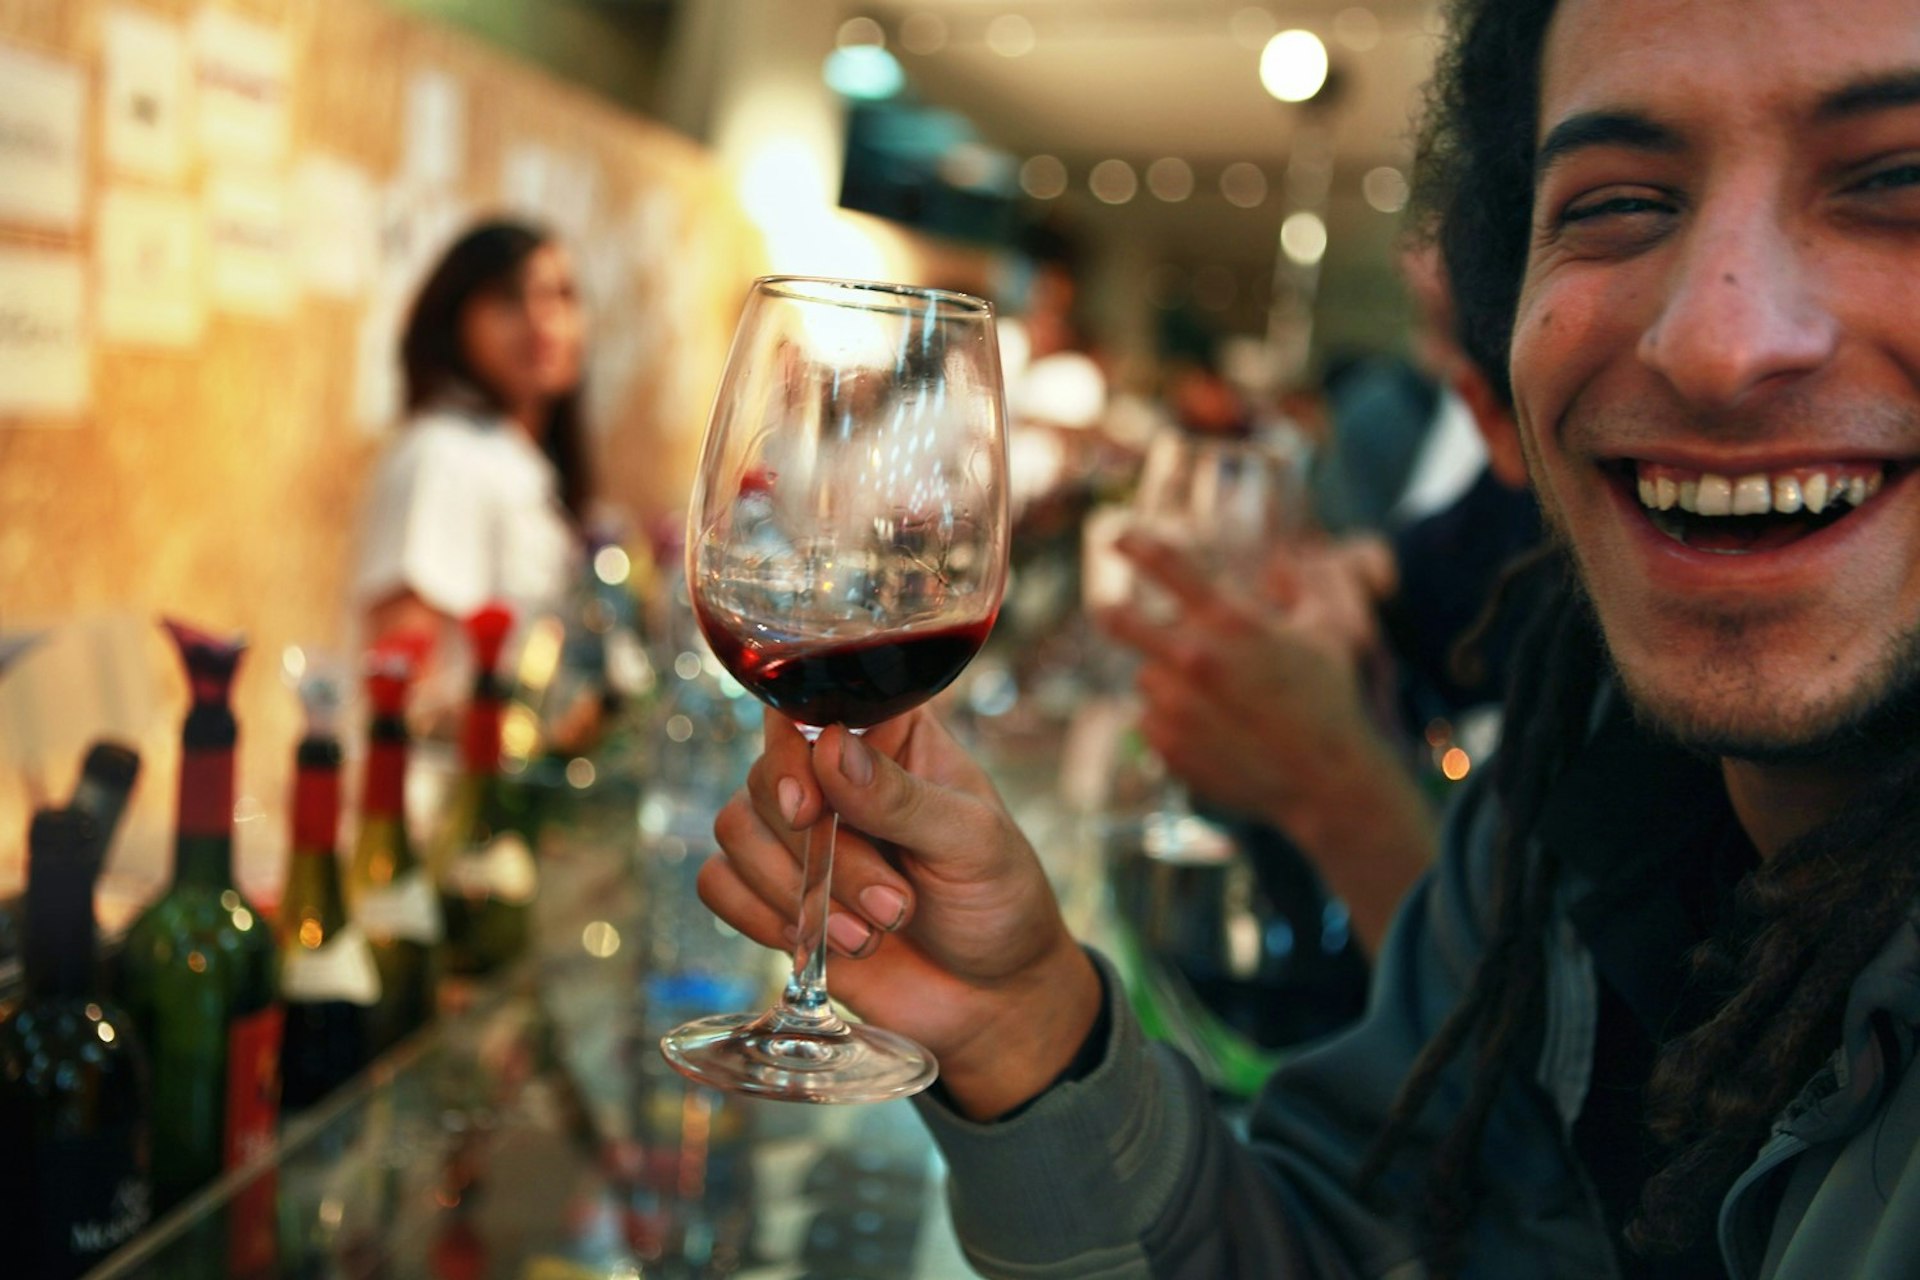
74 1105
106 782
328 980
106 779
198 965
484 855
391 894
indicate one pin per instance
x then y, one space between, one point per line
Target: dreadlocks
1804 924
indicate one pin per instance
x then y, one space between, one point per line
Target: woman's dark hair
1804 923
487 257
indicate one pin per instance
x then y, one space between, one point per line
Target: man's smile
1740 511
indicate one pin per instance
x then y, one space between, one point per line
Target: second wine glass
846 556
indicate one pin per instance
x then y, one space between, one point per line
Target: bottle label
253 1083
407 910
504 870
340 969
253 1112
96 1197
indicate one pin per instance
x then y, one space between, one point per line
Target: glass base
754 1053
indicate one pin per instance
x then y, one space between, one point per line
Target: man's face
1721 315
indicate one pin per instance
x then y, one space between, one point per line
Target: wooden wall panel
222 482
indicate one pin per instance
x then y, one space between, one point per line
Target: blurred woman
480 496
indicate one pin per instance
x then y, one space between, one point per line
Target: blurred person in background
481 494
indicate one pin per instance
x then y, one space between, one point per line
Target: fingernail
789 794
856 762
884 906
848 934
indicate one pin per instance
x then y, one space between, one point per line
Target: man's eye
1893 178
1613 207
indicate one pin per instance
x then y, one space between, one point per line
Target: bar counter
534 1131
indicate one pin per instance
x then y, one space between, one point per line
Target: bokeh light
1170 178
1244 185
1113 182
1293 66
1303 238
1385 189
1043 177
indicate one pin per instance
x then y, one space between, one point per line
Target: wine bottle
392 897
74 1182
105 781
328 980
198 965
484 856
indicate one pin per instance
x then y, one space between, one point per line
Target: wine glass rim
861 294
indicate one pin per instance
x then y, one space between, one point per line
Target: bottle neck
61 940
386 769
313 881
480 741
203 848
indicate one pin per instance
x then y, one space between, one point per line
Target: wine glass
846 555
1228 503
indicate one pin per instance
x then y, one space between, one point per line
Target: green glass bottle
328 981
483 859
198 965
391 894
75 1182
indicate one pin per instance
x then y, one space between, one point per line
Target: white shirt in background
464 509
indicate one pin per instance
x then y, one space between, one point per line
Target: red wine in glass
857 683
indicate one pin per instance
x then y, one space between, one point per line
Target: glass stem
805 999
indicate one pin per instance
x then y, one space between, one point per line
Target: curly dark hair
1804 923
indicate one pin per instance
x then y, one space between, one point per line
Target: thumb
879 798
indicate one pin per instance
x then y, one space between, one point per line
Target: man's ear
1495 419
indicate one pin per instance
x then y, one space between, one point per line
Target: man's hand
1261 710
943 922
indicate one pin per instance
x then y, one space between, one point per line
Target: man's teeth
1708 494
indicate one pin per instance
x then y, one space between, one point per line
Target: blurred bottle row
133 1075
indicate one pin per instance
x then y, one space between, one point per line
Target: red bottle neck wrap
206 792
316 810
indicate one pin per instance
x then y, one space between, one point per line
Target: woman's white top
464 508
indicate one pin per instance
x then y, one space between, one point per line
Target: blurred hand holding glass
1229 505
846 555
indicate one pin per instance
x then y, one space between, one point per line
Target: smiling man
1654 1012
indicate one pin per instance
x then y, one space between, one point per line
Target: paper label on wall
249 243
336 226
42 140
436 137
242 86
558 187
44 366
144 69
147 287
415 228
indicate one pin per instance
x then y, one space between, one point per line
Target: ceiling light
1356 28
1244 185
1385 189
1170 178
1293 67
1113 182
863 71
855 32
1043 177
1010 36
1303 238
923 33
1252 27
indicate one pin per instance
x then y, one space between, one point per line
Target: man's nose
1743 308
